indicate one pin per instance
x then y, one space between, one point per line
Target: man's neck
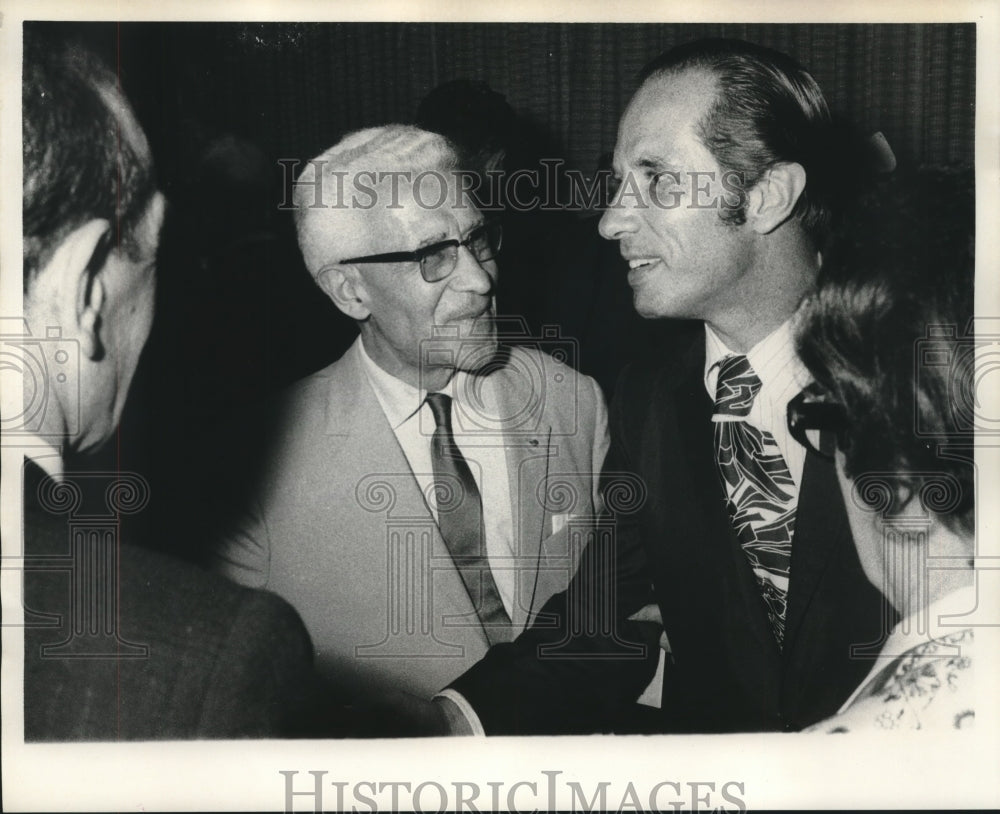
743 335
741 338
788 274
430 379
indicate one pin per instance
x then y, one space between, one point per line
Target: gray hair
337 187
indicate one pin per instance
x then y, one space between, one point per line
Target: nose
471 275
618 219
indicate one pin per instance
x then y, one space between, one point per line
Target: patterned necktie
761 493
460 519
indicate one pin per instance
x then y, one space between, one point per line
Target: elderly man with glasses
418 491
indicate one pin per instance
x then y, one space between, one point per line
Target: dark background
238 315
295 87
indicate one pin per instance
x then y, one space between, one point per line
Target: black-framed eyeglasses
438 260
817 422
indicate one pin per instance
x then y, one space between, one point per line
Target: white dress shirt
782 376
412 421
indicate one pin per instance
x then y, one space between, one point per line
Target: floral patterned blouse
928 685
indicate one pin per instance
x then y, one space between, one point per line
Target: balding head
351 194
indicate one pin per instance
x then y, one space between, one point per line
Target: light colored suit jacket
340 528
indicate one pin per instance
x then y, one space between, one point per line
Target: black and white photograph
450 408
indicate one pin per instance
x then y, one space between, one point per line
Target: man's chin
477 341
480 327
463 344
477 352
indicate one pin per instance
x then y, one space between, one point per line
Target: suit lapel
821 523
820 526
363 444
527 447
719 549
367 451
711 605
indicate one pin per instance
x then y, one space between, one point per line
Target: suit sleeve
601 438
583 662
262 682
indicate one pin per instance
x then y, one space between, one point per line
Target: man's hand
455 720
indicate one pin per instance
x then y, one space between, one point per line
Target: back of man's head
344 195
85 156
768 109
92 219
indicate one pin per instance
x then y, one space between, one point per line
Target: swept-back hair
767 109
318 207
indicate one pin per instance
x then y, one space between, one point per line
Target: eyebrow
656 163
443 237
437 237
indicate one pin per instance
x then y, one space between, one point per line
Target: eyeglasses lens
483 242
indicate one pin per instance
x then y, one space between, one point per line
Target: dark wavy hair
768 109
76 164
888 332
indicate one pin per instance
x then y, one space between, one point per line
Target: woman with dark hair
888 339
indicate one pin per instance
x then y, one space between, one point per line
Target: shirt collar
400 400
773 359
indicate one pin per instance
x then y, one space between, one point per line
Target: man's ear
773 198
70 286
344 286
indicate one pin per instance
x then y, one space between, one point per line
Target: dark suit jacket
222 660
726 673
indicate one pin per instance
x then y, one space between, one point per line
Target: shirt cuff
464 707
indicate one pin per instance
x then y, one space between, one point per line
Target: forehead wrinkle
359 231
415 226
432 239
406 227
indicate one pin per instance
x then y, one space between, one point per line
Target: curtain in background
296 88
